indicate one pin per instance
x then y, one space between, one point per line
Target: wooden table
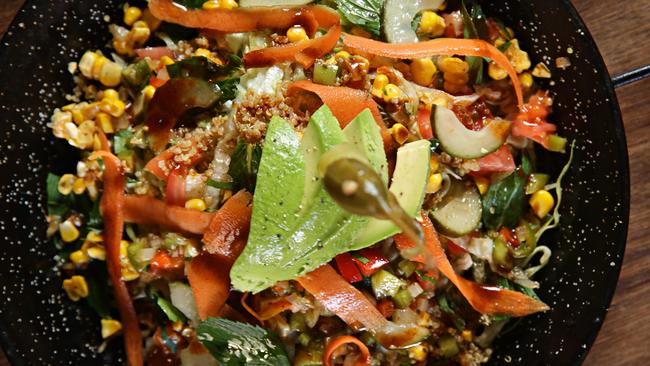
623 36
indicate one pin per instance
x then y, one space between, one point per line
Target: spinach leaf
504 201
234 344
363 13
474 27
97 279
202 68
244 164
57 204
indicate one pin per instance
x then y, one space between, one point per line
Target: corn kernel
104 122
453 65
86 134
211 4
124 248
131 15
96 252
148 92
86 63
77 116
343 54
520 61
467 335
110 74
391 92
196 204
452 87
76 288
482 184
496 72
296 34
68 231
418 353
66 182
379 84
541 202
114 107
228 4
526 80
166 60
97 143
110 94
400 133
94 237
177 326
98 65
541 71
79 186
434 165
423 71
432 24
202 52
110 327
434 183
129 274
78 257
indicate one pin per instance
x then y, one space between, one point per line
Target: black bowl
39 326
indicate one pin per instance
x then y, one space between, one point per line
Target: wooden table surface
623 37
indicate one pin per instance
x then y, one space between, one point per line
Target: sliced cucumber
459 212
456 140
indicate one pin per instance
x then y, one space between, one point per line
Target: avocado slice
408 185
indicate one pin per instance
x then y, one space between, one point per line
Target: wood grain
622 32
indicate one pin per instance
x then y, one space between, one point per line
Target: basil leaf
504 201
363 13
244 163
234 344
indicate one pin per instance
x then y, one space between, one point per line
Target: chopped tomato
531 121
424 123
508 235
500 161
347 268
175 191
164 265
156 82
454 249
369 260
386 307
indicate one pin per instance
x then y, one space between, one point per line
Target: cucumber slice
459 212
456 140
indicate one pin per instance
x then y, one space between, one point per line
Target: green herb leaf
244 164
363 13
474 27
361 258
122 140
238 344
220 185
504 47
424 277
202 68
504 201
169 309
57 204
228 88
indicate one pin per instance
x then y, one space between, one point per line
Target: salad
296 182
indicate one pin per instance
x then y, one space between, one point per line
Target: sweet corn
95 66
129 274
434 183
211 4
124 249
148 92
76 288
496 72
104 122
391 92
296 34
94 237
140 32
110 327
434 165
110 94
96 252
452 87
379 84
418 353
526 80
520 61
453 65
97 143
77 116
400 133
79 186
342 54
166 60
482 184
114 107
203 52
432 24
86 134
541 71
196 204
110 74
78 257
423 71
131 15
228 4
467 335
66 182
68 231
541 202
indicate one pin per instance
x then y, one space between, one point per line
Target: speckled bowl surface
39 326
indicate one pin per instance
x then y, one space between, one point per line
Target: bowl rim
623 166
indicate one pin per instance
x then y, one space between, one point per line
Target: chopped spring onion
557 143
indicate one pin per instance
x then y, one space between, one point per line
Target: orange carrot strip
274 308
147 210
439 46
113 202
339 341
343 299
249 308
232 221
484 299
209 279
345 103
103 140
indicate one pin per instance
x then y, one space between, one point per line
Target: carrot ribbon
147 210
334 344
484 299
112 203
439 46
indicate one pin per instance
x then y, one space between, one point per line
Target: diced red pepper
156 82
500 161
164 265
347 268
510 238
454 249
424 123
386 307
369 261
